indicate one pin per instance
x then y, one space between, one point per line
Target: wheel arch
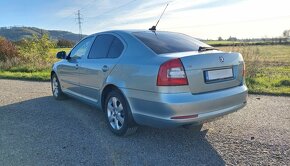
108 88
52 73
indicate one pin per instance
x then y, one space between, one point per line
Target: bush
35 51
9 54
283 83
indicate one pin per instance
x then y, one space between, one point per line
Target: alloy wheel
115 113
55 86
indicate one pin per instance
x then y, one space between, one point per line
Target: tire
118 114
56 88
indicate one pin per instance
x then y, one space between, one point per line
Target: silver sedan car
153 78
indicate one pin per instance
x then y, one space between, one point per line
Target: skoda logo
221 59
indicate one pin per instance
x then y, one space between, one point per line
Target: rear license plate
221 74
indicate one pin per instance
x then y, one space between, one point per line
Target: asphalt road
37 130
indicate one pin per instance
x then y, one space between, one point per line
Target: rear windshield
169 42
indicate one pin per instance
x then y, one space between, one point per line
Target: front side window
169 42
82 49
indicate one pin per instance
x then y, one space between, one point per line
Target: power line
114 9
79 22
70 16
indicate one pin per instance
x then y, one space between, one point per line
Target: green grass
271 80
36 76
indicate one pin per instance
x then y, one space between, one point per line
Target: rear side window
169 42
101 46
116 49
106 46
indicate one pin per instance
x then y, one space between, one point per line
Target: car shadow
69 132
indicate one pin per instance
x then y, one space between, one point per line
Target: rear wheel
56 89
118 114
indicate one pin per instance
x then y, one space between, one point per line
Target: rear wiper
201 49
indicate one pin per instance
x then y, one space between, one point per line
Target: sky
205 19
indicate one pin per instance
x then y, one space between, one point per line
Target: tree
9 54
220 39
36 49
286 33
232 38
8 50
63 43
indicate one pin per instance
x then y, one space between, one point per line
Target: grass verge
34 76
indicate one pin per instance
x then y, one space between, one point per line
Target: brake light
172 73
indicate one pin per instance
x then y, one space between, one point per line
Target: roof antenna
153 28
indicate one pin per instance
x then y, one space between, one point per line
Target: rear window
169 42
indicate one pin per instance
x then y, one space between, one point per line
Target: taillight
172 73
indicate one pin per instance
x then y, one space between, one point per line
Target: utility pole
41 32
79 19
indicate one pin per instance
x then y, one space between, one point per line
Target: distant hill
18 33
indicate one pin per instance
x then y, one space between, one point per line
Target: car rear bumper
172 110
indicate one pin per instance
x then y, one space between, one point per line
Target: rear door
102 58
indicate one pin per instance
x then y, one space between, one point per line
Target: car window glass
82 48
116 48
168 42
101 46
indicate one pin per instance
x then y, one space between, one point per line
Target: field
268 68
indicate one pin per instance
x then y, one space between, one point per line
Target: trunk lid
211 70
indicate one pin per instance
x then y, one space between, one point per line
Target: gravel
37 130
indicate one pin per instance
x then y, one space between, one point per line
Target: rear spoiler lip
190 53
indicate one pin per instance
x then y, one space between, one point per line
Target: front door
69 71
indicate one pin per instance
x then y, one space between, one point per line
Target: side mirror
61 55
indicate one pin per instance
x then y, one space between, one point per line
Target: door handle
105 68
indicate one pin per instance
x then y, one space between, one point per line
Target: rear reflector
172 73
185 117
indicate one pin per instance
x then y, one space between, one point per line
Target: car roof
126 31
130 31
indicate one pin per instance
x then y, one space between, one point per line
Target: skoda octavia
153 78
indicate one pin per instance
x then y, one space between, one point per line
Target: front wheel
118 114
56 89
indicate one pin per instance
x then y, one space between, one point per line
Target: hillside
18 33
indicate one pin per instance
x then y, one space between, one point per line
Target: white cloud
199 18
66 12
